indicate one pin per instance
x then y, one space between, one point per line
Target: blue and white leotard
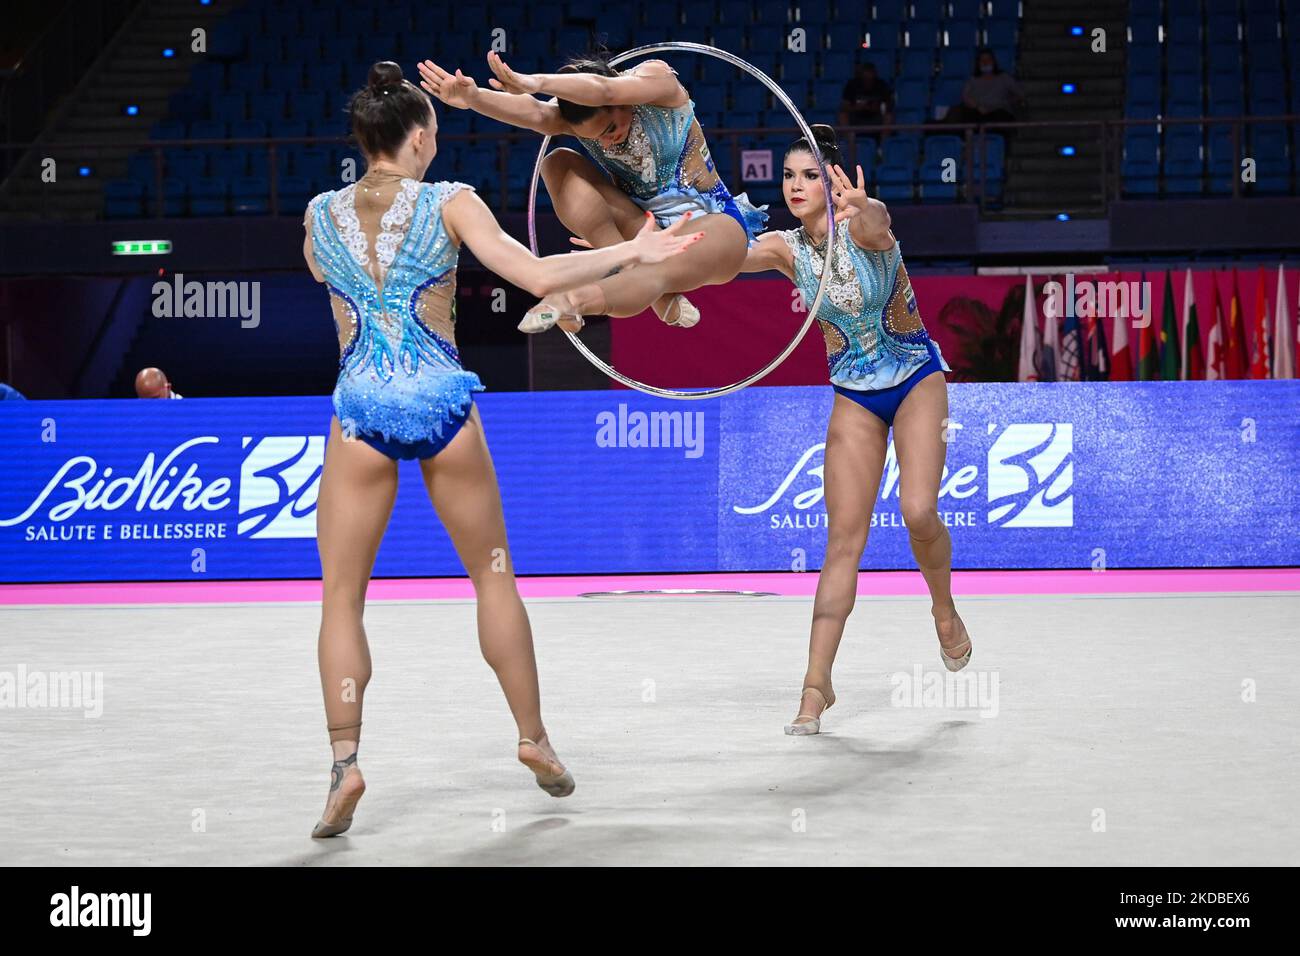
665 167
401 387
875 339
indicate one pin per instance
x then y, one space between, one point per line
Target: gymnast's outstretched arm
769 252
516 109
469 220
653 81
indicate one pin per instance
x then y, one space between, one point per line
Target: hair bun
823 133
384 73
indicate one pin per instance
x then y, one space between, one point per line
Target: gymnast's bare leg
919 428
462 485
357 488
856 444
714 260
856 441
594 209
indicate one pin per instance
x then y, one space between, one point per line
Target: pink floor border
882 583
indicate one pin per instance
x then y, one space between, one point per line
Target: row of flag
1077 350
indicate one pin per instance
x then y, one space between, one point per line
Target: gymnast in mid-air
886 372
386 248
649 153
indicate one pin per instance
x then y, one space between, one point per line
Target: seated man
866 99
152 383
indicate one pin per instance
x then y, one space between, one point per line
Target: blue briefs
884 402
732 210
419 449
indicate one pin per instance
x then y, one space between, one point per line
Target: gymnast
886 371
639 127
387 248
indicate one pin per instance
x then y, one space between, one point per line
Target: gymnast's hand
455 90
579 241
653 244
849 199
508 81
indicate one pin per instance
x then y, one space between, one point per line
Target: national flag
1284 338
1030 339
1051 348
1237 349
1193 358
1098 354
1121 356
1169 357
1147 359
1216 359
1071 347
1259 364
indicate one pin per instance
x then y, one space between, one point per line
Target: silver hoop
690 394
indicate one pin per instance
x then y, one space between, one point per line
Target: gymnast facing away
647 152
886 372
387 247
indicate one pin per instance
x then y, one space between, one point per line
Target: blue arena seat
960 34
895 183
748 97
956 62
174 198
268 106
208 197
228 106
836 65
916 64
307 104
249 196
921 34
998 33
900 151
1221 161
247 77
767 37
798 69
227 164
949 91
263 48
882 37
1183 163
842 36
285 76
228 41
123 199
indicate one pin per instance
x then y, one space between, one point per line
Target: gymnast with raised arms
647 155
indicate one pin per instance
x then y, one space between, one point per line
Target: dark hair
979 53
596 62
386 109
825 137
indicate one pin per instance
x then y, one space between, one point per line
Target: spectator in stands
8 392
867 99
152 383
990 96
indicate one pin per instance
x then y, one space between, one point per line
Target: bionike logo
1031 476
278 484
